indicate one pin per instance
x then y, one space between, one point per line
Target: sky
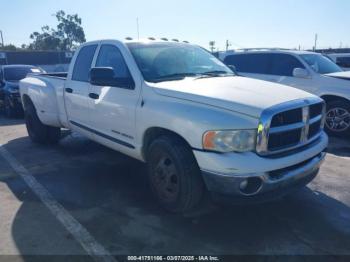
245 23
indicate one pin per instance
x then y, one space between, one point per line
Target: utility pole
315 46
228 44
2 39
138 29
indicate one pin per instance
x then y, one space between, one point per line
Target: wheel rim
338 119
165 179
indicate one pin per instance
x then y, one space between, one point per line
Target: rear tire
338 118
37 131
174 175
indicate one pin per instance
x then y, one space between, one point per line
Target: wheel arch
153 133
26 101
331 98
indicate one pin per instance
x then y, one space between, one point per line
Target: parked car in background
341 59
197 125
10 75
308 71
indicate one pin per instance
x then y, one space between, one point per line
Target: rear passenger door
77 101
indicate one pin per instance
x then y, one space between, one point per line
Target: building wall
50 61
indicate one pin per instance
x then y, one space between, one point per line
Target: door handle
94 96
69 90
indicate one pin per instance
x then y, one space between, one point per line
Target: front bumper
272 177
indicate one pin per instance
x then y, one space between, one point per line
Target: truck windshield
18 73
321 64
173 61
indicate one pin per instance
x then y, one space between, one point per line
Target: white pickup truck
198 126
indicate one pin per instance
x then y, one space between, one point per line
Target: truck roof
142 40
268 50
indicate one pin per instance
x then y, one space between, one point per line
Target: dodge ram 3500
198 126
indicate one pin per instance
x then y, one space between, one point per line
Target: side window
249 63
110 56
83 62
284 64
343 61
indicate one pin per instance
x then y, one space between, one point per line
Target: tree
9 47
67 36
212 46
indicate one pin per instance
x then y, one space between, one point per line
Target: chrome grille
290 125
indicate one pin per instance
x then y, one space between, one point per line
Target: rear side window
250 63
83 63
284 64
343 61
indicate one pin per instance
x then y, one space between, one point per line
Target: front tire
174 174
37 131
338 118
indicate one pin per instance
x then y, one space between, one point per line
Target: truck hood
239 94
342 75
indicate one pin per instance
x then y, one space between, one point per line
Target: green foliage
68 34
9 47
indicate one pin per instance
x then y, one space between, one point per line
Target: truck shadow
108 194
339 146
10 121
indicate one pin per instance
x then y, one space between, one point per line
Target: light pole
2 39
138 28
315 46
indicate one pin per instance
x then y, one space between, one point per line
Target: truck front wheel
338 118
37 131
174 174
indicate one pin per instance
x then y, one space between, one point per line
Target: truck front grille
289 126
284 139
287 117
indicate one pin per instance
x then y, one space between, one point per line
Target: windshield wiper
173 77
215 73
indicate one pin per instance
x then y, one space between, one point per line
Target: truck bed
47 93
57 75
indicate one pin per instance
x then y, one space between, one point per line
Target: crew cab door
114 107
76 93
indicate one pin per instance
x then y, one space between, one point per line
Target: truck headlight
230 140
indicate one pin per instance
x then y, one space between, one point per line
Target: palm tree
212 46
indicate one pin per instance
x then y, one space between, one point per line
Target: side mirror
105 76
301 73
